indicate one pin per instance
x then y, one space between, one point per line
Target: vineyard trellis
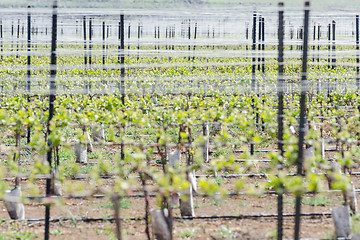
179 112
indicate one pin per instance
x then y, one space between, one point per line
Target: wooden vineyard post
103 47
280 113
1 36
263 63
155 36
122 56
253 71
247 36
1 46
357 53
208 33
90 57
52 98
253 48
333 45
291 37
122 72
84 32
166 37
173 36
129 34
189 37
195 34
158 36
138 37
213 35
119 39
260 39
329 39
205 147
329 48
121 36
28 73
318 39
17 38
182 31
168 40
157 30
107 33
12 36
317 56
303 91
263 45
314 38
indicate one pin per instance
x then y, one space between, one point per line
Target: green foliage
355 223
222 151
23 235
315 201
56 233
124 204
226 233
188 233
150 121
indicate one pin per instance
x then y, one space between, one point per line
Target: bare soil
320 227
256 228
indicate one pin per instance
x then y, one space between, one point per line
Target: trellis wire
253 64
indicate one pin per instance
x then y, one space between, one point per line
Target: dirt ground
318 227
